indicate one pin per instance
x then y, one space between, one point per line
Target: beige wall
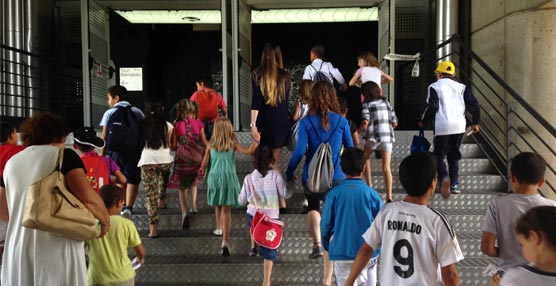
518 40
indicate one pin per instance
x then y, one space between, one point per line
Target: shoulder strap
252 189
60 159
314 129
334 131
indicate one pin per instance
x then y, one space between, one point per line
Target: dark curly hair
323 100
44 128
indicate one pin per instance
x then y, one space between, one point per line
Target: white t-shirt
501 216
527 275
415 241
158 156
450 117
373 74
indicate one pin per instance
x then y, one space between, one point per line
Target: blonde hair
223 136
370 59
305 87
271 75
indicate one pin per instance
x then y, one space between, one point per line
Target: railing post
508 143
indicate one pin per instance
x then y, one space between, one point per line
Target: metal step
474 200
293 244
243 270
462 220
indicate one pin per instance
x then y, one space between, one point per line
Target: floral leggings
155 177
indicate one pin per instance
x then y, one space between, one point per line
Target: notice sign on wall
132 78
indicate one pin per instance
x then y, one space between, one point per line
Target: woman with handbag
34 256
262 189
323 124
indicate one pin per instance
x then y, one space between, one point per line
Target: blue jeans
265 253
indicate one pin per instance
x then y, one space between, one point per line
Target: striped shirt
380 116
267 190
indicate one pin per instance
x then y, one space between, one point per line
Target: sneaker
316 253
225 251
126 213
454 189
217 232
305 203
185 222
193 210
253 252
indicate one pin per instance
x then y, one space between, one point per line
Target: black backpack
124 131
319 75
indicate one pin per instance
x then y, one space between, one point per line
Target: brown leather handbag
51 207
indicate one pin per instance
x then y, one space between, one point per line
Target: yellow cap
446 67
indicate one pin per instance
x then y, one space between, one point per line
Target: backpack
320 76
97 171
321 167
124 131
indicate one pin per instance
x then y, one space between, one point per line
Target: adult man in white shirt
317 64
418 244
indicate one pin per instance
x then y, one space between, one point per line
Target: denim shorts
265 253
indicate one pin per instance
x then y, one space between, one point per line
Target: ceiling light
273 16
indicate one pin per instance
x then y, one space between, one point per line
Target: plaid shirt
380 116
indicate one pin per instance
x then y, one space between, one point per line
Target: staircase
192 257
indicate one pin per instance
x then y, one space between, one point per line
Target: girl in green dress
222 183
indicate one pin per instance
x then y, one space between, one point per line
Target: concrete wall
518 40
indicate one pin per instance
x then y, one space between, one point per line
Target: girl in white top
369 70
155 161
536 232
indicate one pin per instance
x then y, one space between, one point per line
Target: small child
348 211
222 182
418 245
263 187
302 107
499 240
379 121
352 127
369 70
536 232
189 141
109 263
155 161
85 140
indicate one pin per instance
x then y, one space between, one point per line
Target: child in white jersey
536 231
418 244
499 240
263 188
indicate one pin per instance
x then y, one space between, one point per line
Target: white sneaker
217 232
305 203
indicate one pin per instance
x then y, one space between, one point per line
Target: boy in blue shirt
348 212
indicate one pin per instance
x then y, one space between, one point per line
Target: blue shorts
265 253
128 165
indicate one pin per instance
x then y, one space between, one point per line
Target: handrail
504 124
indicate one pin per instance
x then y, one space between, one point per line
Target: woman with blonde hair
269 105
323 124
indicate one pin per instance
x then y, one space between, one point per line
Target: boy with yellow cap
447 102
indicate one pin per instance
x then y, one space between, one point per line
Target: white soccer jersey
415 241
527 275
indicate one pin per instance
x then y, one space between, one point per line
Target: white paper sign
132 78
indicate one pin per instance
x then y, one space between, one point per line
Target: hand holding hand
475 128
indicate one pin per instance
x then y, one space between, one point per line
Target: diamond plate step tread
472 200
232 272
291 246
460 221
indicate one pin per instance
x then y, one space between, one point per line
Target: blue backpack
124 131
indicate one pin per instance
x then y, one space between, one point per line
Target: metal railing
509 124
31 83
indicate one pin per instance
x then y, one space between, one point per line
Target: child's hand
495 281
394 125
140 259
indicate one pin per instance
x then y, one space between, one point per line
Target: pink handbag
266 231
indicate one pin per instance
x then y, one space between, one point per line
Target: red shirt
208 100
6 152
